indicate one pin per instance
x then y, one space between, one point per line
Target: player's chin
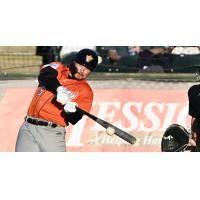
79 76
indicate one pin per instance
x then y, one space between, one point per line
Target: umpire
194 112
61 88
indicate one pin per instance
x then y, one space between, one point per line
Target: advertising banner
141 112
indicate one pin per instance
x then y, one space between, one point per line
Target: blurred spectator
140 58
151 56
48 53
67 52
133 50
185 58
154 50
189 50
118 55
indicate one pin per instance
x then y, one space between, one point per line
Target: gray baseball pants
36 138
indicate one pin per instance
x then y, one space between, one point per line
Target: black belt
40 123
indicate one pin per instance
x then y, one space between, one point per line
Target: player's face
81 72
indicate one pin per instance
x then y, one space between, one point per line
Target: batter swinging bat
125 136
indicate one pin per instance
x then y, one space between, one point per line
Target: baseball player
61 88
194 112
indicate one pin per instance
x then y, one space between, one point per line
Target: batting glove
64 95
70 107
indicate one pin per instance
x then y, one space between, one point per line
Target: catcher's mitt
175 139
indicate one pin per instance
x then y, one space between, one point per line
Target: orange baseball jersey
44 104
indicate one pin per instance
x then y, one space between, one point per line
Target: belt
40 123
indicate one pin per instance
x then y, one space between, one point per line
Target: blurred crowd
142 58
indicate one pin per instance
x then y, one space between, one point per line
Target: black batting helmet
175 139
87 58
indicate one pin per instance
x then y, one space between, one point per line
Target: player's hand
192 142
63 95
70 107
193 139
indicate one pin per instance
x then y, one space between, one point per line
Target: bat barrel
125 136
129 138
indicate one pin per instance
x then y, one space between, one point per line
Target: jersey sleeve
85 99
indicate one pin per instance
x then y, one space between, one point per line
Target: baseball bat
122 134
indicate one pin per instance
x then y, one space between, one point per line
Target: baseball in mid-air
110 131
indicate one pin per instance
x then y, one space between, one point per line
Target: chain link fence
19 60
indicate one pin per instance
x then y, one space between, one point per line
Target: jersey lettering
41 91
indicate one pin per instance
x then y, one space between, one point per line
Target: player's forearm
194 128
73 118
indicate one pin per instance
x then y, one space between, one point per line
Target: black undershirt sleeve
73 118
48 79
